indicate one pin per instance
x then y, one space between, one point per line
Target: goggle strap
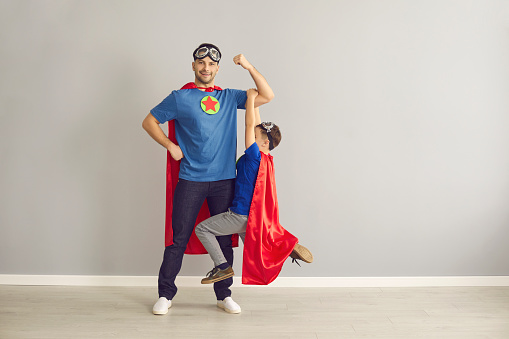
267 126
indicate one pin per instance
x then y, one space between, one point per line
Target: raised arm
151 125
265 93
258 120
251 117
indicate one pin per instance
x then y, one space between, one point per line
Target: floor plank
125 312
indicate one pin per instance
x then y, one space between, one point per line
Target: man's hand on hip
175 152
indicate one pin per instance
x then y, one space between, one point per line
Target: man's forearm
265 93
151 126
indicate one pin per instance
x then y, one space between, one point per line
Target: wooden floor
318 313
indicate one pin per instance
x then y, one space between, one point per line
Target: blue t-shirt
247 172
206 132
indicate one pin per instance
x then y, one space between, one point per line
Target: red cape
267 244
194 245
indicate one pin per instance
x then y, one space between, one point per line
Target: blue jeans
187 201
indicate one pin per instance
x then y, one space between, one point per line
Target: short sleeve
240 98
253 152
166 110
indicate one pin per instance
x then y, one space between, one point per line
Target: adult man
205 129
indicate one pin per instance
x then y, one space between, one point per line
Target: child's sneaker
301 253
217 275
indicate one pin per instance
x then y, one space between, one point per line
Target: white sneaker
229 305
161 306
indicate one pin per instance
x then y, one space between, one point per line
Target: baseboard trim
192 281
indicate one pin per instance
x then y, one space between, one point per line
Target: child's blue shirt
247 173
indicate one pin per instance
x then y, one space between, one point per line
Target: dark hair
275 135
209 45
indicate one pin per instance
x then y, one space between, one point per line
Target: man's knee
180 241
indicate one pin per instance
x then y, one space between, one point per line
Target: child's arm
258 120
251 117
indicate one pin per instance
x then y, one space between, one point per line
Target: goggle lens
212 52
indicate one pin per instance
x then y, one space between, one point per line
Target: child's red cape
267 244
194 245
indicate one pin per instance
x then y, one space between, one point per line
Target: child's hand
252 93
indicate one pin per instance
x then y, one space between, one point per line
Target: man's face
205 70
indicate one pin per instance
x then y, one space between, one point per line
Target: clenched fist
175 152
241 60
252 92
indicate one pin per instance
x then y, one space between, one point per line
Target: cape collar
207 89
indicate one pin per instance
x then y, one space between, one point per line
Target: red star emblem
210 104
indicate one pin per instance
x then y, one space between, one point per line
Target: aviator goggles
213 53
267 126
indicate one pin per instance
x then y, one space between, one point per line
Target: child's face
260 138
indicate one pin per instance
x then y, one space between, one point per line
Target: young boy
259 138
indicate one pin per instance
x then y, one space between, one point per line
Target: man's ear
193 65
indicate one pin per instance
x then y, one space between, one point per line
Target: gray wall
395 156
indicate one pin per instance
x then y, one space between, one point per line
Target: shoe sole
303 253
227 310
229 275
161 312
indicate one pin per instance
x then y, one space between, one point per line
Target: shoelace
295 261
213 271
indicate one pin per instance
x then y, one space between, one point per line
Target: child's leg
221 224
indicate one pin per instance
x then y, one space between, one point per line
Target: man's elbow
268 97
144 124
148 122
262 100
